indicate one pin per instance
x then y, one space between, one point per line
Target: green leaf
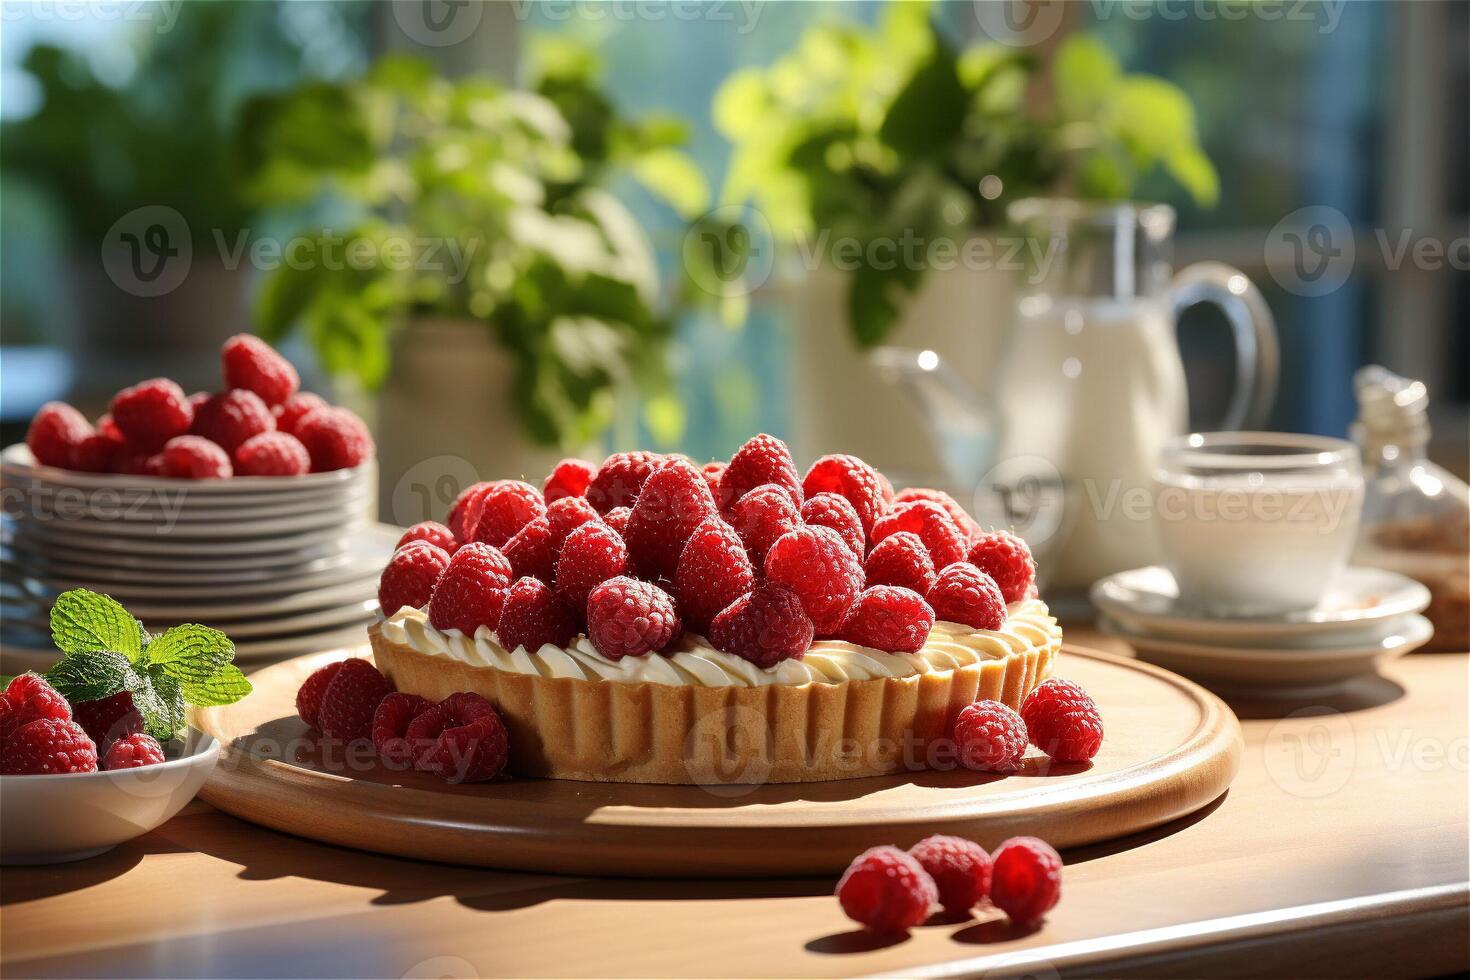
1085 74
1154 116
875 297
1195 172
674 177
742 103
160 700
83 621
928 114
90 675
225 686
190 652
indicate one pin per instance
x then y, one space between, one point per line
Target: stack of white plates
1368 617
283 565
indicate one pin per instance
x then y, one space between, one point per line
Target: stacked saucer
1368 617
283 565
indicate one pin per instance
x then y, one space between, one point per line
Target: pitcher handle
1257 353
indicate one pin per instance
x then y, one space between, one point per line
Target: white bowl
52 819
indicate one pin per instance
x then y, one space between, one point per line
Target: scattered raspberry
618 518
960 869
963 594
291 411
944 541
471 589
55 433
619 479
1006 558
32 698
409 577
713 473
565 516
569 478
531 551
713 572
133 752
195 458
591 555
1063 721
309 695
108 718
251 363
390 725
229 418
431 531
886 890
673 502
888 617
763 459
98 453
272 454
45 746
463 739
504 509
534 615
466 510
335 438
816 564
151 413
351 697
901 559
989 737
628 618
830 510
765 626
958 514
852 479
1026 880
762 516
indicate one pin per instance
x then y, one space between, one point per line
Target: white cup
1256 523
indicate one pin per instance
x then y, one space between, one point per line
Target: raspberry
852 479
1026 879
960 869
272 454
140 463
674 502
534 615
31 698
466 510
569 478
1006 558
886 890
228 419
713 572
195 458
431 531
107 427
291 411
151 413
55 433
48 745
335 438
989 737
830 510
1063 721
531 552
944 541
887 617
504 509
565 516
105 719
350 699
98 453
471 589
765 626
762 516
958 514
713 472
461 739
963 594
133 752
620 478
309 695
885 490
628 618
901 559
816 564
390 724
591 555
251 363
408 578
618 518
763 459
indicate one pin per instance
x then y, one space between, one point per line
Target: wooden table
1340 850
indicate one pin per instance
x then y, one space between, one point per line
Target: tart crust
617 731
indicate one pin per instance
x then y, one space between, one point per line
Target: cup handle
1257 353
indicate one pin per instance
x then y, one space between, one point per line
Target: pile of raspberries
750 554
42 734
260 425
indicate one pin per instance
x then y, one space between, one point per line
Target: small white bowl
68 817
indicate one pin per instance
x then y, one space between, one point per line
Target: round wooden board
1171 747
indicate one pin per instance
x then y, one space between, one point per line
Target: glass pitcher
1090 385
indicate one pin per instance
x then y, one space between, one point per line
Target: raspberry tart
652 621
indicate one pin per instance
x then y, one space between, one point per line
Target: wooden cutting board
1171 747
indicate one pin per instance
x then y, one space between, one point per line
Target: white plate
339 617
1359 604
159 527
358 575
136 506
280 648
41 538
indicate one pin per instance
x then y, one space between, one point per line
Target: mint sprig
107 652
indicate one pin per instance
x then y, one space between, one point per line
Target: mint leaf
190 652
160 700
226 686
83 621
91 675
